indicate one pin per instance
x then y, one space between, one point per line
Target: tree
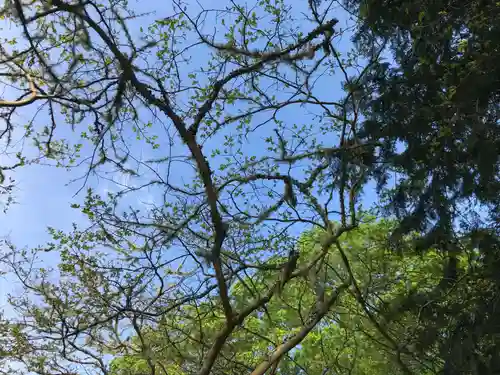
227 120
436 108
222 208
353 338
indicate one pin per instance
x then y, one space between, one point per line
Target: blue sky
44 194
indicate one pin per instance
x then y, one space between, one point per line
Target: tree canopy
306 188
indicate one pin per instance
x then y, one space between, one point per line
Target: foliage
240 144
435 110
231 180
348 340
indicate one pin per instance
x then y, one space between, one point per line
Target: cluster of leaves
435 109
402 321
353 338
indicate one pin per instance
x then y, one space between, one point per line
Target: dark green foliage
436 109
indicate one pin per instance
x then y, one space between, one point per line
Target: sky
44 194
